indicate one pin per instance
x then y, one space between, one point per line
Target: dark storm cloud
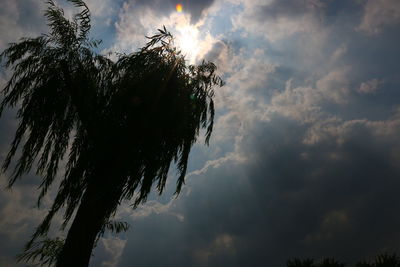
290 199
287 8
327 198
295 9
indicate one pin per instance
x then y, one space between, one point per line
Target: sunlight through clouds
193 39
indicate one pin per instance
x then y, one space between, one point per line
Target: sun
188 42
187 35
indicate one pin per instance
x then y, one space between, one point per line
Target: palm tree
121 123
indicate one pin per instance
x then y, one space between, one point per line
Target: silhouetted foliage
121 123
328 262
44 252
300 263
382 260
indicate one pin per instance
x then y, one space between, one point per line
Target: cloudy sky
305 156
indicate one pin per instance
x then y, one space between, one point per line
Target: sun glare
187 35
188 42
179 8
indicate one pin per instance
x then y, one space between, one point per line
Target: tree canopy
119 123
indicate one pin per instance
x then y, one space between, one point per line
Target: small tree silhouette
128 120
300 263
382 260
328 262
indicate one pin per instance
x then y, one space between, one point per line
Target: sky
304 160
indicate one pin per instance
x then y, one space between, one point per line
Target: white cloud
230 157
222 244
334 85
339 53
305 103
340 130
15 23
100 8
379 14
18 212
276 20
370 86
114 246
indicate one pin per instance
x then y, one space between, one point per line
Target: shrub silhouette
328 262
382 260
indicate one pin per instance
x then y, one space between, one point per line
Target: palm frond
42 253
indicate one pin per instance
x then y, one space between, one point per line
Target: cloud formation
379 14
304 158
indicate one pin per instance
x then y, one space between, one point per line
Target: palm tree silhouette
121 123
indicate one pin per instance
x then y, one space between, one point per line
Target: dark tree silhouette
300 263
121 123
382 260
328 262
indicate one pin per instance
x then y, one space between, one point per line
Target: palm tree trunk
94 210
